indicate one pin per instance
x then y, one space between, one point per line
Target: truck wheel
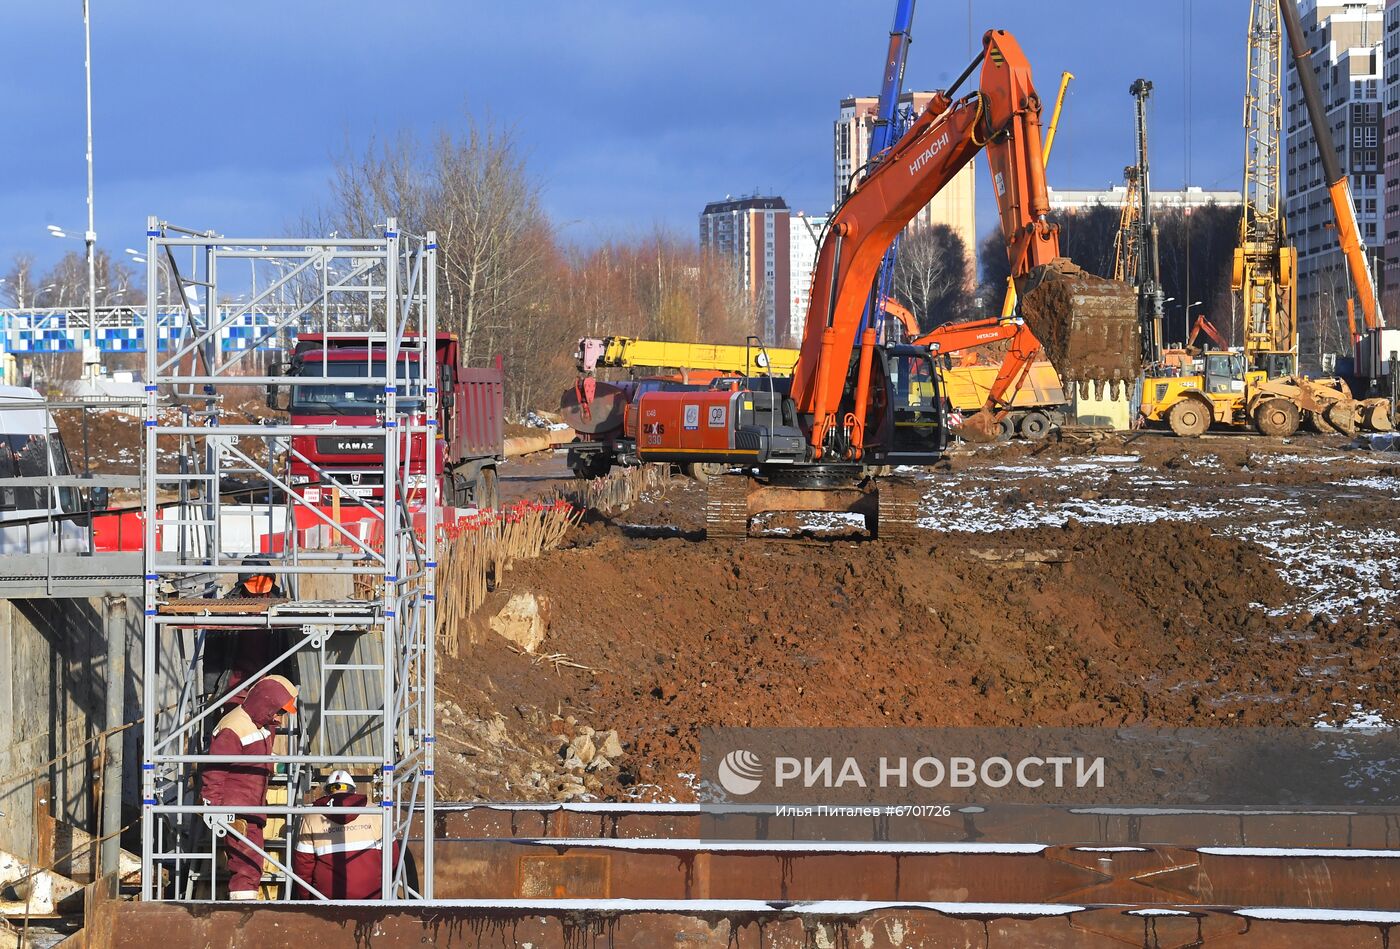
1035 426
1188 418
588 467
487 493
1277 418
1005 429
451 495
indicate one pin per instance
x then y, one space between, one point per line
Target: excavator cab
907 418
1277 365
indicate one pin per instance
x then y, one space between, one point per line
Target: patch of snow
1360 718
1321 915
1390 484
1289 459
1317 555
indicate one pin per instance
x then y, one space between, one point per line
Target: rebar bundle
479 547
621 487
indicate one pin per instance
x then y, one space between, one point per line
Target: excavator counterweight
1087 325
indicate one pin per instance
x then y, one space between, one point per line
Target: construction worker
233 656
340 854
247 730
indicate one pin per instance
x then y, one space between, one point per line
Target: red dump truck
470 420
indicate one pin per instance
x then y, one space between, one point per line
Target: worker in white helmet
341 855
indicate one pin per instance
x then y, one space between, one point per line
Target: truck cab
469 419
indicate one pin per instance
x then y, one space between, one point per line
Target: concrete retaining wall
53 683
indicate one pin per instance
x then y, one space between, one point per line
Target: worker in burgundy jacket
340 854
247 730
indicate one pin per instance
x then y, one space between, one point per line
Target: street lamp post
91 359
1187 320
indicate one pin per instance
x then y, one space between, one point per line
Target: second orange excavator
853 409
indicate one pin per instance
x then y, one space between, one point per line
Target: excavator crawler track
727 508
900 500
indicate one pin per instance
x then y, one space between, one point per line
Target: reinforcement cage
355 623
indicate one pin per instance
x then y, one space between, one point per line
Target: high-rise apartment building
805 231
751 236
1389 275
1346 38
955 205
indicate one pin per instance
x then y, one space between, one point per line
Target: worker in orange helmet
248 730
234 656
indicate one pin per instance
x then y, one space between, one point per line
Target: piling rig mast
1148 274
1264 264
889 128
1126 248
356 625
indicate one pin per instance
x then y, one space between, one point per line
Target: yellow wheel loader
1225 393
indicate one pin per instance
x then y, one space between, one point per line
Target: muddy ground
1225 580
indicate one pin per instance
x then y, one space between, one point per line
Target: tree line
1195 251
508 284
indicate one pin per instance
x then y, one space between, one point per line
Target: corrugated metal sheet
346 689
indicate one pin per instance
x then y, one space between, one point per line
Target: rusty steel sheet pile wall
747 926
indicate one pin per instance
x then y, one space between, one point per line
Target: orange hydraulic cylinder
826 405
867 354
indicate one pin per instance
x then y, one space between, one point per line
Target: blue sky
229 115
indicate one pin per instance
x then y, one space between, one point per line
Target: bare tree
506 287
475 192
66 282
932 274
18 288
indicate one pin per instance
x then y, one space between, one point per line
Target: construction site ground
1227 580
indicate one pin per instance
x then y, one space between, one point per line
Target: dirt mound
1161 623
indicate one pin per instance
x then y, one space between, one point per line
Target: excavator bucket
1087 325
593 407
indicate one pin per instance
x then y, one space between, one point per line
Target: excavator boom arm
1003 117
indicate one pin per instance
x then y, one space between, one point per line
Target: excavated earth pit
1227 580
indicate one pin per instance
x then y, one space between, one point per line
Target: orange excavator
823 440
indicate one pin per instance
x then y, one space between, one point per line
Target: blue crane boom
887 130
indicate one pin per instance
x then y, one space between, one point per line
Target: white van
35 518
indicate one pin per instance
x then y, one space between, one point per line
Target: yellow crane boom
750 359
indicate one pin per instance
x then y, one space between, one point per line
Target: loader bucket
1376 415
1087 325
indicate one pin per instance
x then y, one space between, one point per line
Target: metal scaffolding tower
357 619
